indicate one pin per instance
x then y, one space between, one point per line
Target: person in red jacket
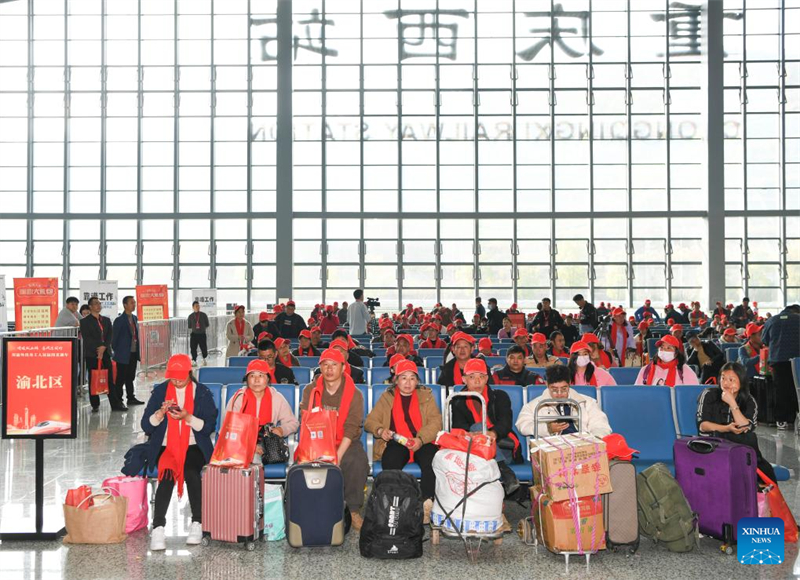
329 322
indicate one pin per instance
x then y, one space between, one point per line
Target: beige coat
381 417
233 337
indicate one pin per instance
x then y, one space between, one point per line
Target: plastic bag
237 439
458 439
317 437
135 489
274 526
779 509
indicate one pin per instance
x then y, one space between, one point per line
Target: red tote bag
237 439
317 437
98 384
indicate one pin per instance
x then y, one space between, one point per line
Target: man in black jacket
588 316
675 315
743 314
404 346
289 323
499 420
515 372
96 331
264 324
279 373
547 319
708 357
495 317
198 323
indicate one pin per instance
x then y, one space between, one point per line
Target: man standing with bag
96 332
334 390
198 322
782 335
126 348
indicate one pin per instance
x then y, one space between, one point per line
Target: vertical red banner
38 388
35 302
152 302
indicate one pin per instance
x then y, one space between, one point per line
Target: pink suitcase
233 504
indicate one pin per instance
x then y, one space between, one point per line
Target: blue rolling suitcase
315 508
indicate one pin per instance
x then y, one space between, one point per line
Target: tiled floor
98 451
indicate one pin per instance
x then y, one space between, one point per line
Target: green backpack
664 513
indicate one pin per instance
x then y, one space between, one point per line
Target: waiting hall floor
98 452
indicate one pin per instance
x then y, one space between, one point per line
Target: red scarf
399 418
347 398
615 328
671 367
605 360
429 344
251 403
308 352
174 455
457 379
239 324
287 362
560 353
476 415
593 380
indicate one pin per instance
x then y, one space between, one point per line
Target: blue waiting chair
535 391
302 375
433 362
426 352
686 397
222 375
624 375
376 361
732 354
517 395
239 361
308 361
643 415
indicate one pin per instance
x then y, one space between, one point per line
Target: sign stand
38 534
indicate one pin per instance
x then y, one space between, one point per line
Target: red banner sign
35 302
517 320
38 387
152 302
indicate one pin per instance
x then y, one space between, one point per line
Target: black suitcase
315 508
763 390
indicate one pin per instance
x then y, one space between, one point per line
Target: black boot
508 478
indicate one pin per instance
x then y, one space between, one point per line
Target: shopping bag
317 437
236 443
98 385
76 496
114 371
779 509
102 523
458 440
274 527
135 489
763 504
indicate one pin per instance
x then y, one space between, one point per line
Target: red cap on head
475 365
538 338
578 346
290 303
670 321
263 316
752 329
514 306
305 333
332 354
340 342
450 327
462 336
406 366
257 366
408 338
675 327
602 305
643 325
618 312
396 359
336 305
682 305
669 339
730 332
329 308
590 338
178 367
279 342
263 335
485 342
389 330
647 302
316 329
238 307
520 332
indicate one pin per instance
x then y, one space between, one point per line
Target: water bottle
403 440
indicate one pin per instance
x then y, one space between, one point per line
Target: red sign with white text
152 302
38 388
35 302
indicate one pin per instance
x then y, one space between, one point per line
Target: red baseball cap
305 333
237 307
617 447
647 302
752 329
462 336
332 354
520 332
408 338
682 305
263 335
590 338
389 330
730 332
316 329
538 338
643 325
339 342
263 316
178 367
279 342
514 306
618 312
451 327
485 342
406 366
475 365
290 303
578 346
396 359
256 366
669 339
675 327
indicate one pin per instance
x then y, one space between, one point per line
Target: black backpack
392 527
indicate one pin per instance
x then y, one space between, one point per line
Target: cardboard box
556 526
577 460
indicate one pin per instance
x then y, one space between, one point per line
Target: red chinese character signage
152 302
39 387
35 302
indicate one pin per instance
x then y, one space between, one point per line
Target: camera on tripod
372 303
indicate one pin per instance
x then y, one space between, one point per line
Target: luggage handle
551 403
448 417
703 446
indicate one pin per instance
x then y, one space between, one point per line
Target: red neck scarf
399 419
671 368
251 402
604 361
457 378
616 328
560 352
592 381
476 415
438 343
536 359
287 362
344 406
308 352
239 324
174 455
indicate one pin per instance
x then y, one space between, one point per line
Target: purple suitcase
718 479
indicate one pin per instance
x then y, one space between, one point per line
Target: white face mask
666 355
583 360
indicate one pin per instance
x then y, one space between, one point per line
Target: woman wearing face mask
179 419
730 412
669 367
583 371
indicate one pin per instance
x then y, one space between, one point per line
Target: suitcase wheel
726 549
206 541
250 546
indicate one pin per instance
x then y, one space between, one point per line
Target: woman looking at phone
179 419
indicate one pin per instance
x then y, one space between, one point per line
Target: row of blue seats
650 418
376 374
